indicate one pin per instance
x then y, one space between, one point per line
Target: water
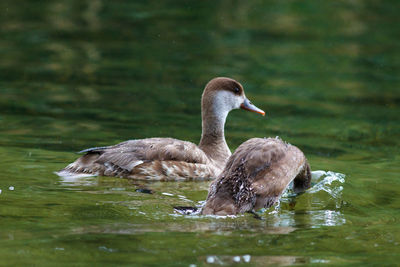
78 74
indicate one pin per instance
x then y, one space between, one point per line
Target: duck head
222 95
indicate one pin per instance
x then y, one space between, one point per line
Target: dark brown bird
168 158
256 175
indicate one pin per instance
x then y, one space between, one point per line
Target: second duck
168 158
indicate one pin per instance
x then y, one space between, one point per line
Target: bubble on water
118 189
210 259
236 259
104 248
319 261
246 258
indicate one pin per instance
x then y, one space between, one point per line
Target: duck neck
213 138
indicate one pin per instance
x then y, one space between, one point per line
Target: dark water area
78 74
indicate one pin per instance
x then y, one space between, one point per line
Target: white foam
70 175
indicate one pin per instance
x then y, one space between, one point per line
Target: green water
77 74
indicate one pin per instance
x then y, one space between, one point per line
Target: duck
164 159
255 177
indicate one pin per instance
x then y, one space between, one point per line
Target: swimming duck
256 175
168 158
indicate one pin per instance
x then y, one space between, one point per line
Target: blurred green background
77 74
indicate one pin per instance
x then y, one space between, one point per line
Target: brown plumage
256 175
168 158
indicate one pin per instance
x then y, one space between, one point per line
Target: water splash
326 187
321 181
326 181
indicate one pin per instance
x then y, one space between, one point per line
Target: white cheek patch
225 101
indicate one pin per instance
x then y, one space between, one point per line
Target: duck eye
237 90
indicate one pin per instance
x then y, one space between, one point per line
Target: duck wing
273 166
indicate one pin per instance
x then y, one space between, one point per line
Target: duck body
146 159
169 158
256 175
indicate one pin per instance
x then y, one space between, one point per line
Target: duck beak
247 105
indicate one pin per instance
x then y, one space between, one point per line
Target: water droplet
246 258
210 259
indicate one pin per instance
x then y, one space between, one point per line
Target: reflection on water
216 226
79 180
326 218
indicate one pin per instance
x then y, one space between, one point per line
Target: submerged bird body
168 158
256 175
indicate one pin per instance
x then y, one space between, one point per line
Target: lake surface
77 74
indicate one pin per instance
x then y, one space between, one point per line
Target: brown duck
256 175
168 158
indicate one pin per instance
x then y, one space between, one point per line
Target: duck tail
83 167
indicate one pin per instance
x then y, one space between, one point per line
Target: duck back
256 175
